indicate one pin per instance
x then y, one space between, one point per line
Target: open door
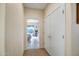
32 33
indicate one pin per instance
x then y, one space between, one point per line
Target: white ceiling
40 6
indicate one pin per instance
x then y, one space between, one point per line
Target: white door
58 31
47 34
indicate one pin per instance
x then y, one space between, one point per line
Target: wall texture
14 29
2 29
30 13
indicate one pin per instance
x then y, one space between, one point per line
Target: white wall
2 29
14 29
75 32
72 31
36 14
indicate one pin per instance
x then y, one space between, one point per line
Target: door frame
68 38
39 26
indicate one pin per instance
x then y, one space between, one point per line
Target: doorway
54 26
32 33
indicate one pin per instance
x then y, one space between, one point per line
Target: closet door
47 34
58 31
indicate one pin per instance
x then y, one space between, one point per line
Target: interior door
58 31
47 34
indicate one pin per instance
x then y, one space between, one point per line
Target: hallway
36 52
56 30
32 34
33 43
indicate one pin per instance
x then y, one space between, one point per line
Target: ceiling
40 6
